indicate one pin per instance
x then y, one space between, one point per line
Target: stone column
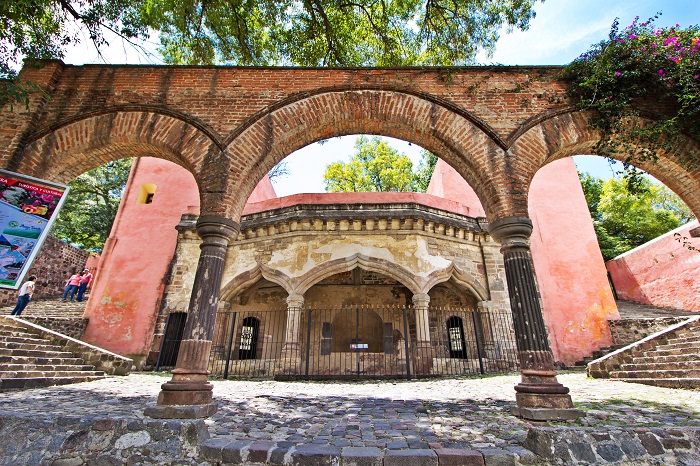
539 396
424 350
291 350
188 394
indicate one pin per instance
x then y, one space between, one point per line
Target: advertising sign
28 208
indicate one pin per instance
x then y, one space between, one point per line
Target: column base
182 412
187 388
425 353
539 397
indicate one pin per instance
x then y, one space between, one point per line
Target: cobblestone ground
463 413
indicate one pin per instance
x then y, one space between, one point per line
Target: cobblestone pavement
456 413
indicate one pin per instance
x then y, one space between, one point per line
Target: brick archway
568 134
79 145
473 150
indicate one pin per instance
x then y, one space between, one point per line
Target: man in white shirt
25 294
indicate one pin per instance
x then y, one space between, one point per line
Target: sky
560 32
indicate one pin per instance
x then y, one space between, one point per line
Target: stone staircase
669 358
32 356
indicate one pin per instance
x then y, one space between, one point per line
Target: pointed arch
245 280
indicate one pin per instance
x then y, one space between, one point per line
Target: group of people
77 283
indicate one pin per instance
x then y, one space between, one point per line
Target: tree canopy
628 215
265 32
376 166
86 218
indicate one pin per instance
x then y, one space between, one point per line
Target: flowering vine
641 71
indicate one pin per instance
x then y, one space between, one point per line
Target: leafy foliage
641 66
42 29
624 219
376 166
87 215
331 32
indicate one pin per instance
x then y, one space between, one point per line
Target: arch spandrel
454 137
83 144
568 134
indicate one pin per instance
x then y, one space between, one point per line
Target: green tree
88 213
426 167
376 166
624 218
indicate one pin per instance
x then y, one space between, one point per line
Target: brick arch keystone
68 150
568 134
472 151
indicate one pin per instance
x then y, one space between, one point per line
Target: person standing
25 295
85 279
71 287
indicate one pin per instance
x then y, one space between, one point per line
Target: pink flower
661 72
617 73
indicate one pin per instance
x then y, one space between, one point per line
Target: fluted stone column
539 396
424 349
291 350
188 394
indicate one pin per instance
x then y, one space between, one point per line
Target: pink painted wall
663 272
129 282
576 297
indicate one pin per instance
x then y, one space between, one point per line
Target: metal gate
360 342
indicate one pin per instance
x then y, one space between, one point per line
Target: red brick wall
229 125
53 265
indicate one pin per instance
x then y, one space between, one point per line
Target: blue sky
561 31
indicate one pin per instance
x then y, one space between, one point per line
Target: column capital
421 299
217 229
295 301
512 232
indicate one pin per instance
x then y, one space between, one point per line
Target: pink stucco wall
664 272
576 296
128 286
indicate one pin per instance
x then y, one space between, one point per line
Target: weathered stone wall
628 331
53 265
75 441
404 252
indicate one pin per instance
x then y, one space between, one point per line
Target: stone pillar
424 350
538 396
291 350
188 394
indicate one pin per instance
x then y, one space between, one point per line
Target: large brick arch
473 150
568 134
81 144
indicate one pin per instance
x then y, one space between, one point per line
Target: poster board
28 208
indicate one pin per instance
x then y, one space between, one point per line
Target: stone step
46 374
35 353
39 382
665 359
22 367
685 383
40 360
29 339
661 366
665 374
686 345
28 346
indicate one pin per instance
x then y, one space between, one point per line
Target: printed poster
28 207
